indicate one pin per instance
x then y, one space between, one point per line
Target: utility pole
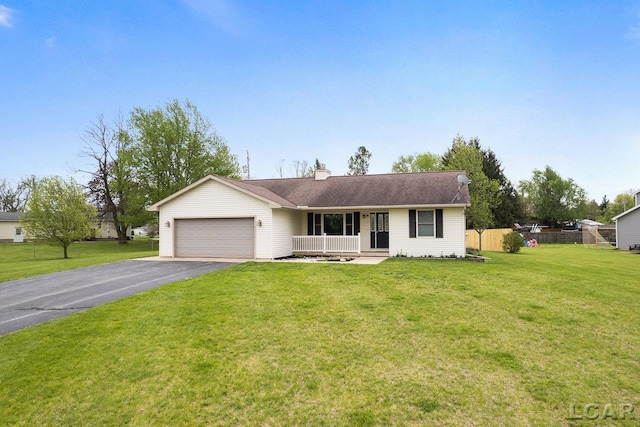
246 169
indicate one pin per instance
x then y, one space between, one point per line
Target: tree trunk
65 251
479 238
121 229
122 232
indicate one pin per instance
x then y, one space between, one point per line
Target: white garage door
214 238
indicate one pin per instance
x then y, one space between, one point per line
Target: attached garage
214 238
220 217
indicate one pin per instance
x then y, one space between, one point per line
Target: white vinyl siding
628 230
212 199
7 229
453 241
286 224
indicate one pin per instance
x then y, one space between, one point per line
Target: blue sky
539 82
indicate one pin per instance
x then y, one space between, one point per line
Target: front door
379 227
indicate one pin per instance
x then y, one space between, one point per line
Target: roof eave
381 207
628 211
156 206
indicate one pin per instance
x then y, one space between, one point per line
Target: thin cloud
219 12
6 16
50 42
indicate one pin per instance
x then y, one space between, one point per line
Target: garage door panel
215 238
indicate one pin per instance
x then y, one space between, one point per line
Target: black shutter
356 223
439 226
412 223
310 224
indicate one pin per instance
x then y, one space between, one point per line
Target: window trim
438 223
432 223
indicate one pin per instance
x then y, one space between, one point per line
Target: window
426 223
349 224
333 224
18 231
318 225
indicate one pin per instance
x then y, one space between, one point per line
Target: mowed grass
19 260
520 340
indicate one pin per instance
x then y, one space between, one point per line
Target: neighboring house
416 214
139 231
104 227
10 230
628 226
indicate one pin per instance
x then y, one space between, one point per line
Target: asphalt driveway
26 302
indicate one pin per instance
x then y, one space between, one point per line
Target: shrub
512 242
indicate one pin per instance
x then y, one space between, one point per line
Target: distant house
414 214
10 230
628 226
139 231
104 227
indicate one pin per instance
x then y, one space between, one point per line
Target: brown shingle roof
419 189
259 190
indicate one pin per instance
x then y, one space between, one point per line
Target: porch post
358 243
324 243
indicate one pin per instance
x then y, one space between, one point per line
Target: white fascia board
156 206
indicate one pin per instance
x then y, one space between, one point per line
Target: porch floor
363 254
375 253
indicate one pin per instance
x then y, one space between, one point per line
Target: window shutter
310 224
356 223
412 223
439 224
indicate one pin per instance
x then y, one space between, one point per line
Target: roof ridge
354 176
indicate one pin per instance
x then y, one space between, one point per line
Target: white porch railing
327 244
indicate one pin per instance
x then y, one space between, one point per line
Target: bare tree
14 199
110 181
300 168
280 168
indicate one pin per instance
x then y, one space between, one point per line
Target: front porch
338 233
326 244
334 245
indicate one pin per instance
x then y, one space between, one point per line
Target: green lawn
18 260
525 339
